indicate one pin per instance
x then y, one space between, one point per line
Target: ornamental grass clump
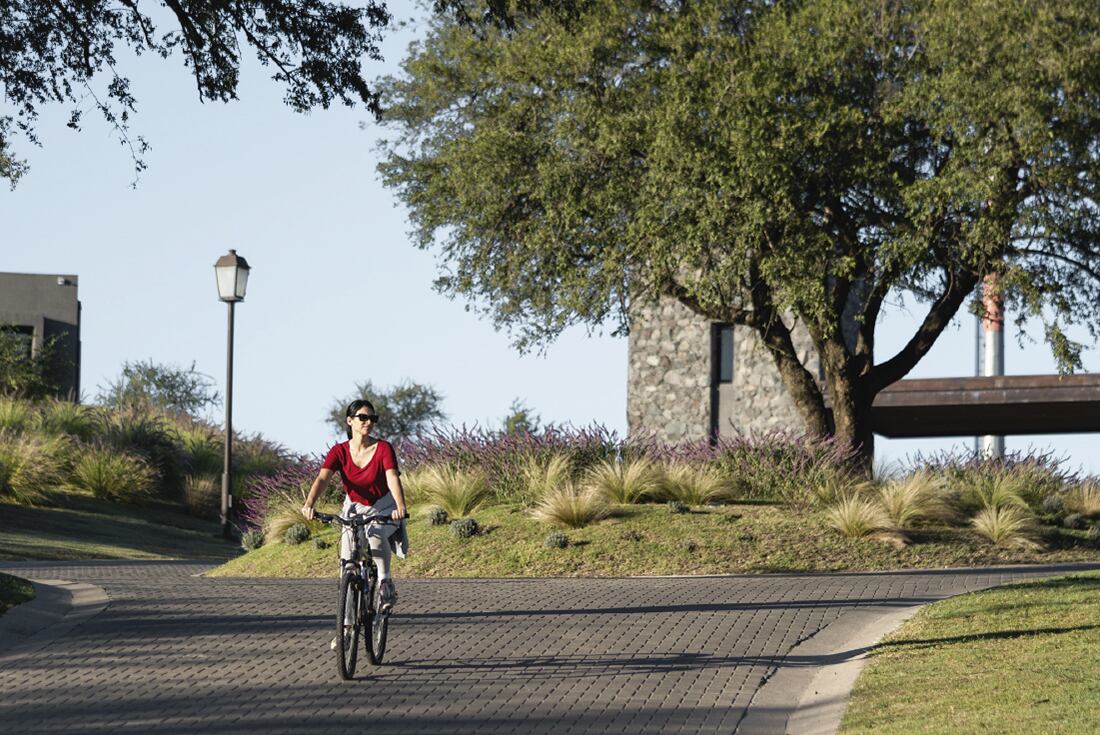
15 414
625 482
1007 525
57 417
458 491
112 474
203 449
858 517
694 484
545 477
973 479
1085 498
149 434
914 499
202 494
570 506
28 468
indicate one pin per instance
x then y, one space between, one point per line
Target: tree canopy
68 52
144 384
768 164
404 410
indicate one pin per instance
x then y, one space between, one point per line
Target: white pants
377 536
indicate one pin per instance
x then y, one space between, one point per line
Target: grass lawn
14 591
649 540
85 528
1015 659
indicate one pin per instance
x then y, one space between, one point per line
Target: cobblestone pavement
173 653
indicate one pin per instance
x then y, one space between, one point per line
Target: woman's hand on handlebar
399 514
307 511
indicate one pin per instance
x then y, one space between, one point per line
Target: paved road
172 653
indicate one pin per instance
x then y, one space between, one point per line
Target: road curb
58 606
809 691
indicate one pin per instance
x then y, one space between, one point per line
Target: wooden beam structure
1002 405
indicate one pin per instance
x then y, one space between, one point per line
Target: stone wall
670 388
668 380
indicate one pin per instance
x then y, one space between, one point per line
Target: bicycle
358 594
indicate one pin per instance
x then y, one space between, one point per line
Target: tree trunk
851 404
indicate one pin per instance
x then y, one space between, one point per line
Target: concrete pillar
993 352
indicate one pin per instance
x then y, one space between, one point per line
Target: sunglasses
366 417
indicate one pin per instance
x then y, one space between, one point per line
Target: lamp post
232 275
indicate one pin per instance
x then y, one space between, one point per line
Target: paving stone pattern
174 653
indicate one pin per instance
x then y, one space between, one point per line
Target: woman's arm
315 490
393 479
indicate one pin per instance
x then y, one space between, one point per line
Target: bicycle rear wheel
347 636
377 623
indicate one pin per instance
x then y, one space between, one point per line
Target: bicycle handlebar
357 519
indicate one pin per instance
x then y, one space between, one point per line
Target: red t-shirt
367 484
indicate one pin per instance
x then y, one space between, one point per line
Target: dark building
44 308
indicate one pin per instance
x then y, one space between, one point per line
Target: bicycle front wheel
377 622
348 623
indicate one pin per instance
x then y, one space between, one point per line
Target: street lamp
232 274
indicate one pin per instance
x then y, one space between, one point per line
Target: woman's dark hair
353 408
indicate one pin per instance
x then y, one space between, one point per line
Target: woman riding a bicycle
371 477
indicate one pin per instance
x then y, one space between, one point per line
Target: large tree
768 164
67 51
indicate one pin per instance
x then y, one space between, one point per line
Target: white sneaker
387 595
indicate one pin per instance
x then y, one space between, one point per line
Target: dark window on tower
724 348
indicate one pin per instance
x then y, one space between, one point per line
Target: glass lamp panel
227 277
242 283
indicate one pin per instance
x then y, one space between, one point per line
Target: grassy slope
650 540
14 591
86 528
1016 659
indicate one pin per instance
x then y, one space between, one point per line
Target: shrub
464 528
255 456
15 414
252 540
458 491
972 477
202 494
570 506
503 457
625 482
320 543
1085 498
694 484
556 540
283 492
859 517
1074 520
296 534
677 506
1006 525
112 474
1053 505
437 516
913 499
28 467
55 417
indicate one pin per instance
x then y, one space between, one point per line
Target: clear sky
337 294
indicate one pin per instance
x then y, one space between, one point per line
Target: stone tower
690 378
